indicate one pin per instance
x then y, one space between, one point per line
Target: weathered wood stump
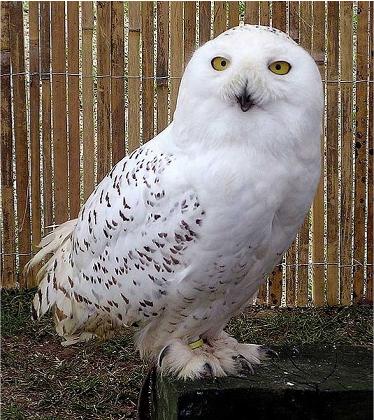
302 383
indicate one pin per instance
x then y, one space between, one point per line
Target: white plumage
179 235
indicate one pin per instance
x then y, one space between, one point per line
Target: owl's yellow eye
220 63
280 67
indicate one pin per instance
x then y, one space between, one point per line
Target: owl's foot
217 357
236 358
180 360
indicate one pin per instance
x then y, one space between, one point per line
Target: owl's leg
237 358
179 359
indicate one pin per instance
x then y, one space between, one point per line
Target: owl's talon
162 354
244 366
268 352
208 369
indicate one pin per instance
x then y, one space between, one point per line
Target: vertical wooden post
73 107
162 64
361 142
134 74
189 30
34 128
59 111
45 61
233 12
219 18
318 253
346 89
264 13
176 52
8 267
279 15
332 152
252 15
20 134
147 64
370 228
103 89
118 86
87 94
204 21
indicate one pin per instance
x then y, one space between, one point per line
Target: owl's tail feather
56 288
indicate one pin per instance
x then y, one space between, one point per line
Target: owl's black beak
245 101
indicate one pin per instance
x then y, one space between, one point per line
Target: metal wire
357 264
126 77
98 76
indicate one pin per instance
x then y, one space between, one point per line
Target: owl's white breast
255 203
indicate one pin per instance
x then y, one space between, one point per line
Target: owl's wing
132 237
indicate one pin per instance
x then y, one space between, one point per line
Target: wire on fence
125 77
356 264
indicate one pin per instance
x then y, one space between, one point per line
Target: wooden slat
34 103
275 286
162 64
45 67
276 277
332 155
176 52
360 151
189 30
370 251
291 271
103 88
346 92
59 111
87 104
20 134
204 21
73 108
252 15
220 17
318 52
294 18
147 73
8 268
264 13
291 275
118 84
134 73
303 254
303 243
233 12
279 15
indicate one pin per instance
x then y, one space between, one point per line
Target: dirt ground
100 380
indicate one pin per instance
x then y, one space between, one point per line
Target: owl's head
248 73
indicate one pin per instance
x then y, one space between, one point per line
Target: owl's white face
247 54
248 73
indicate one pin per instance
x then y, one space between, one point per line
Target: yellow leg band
196 344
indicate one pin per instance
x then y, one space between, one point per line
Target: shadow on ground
100 380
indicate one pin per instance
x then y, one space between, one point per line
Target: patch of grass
13 412
338 325
15 310
100 380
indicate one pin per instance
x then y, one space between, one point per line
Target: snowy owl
179 235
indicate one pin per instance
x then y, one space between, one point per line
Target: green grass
328 326
100 380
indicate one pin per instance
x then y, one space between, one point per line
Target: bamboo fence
84 83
